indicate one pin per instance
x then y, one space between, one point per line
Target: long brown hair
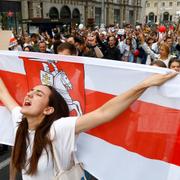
41 138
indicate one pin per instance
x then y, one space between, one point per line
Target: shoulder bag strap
57 164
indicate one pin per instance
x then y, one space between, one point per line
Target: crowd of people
156 45
43 125
140 44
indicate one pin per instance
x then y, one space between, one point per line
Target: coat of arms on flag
63 76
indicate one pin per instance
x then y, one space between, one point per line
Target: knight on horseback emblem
60 81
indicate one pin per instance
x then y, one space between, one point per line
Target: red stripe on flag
148 129
15 82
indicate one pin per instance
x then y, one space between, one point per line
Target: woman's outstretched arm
6 98
118 104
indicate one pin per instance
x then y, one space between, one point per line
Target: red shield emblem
67 78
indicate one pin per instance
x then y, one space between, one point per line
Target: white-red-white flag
143 143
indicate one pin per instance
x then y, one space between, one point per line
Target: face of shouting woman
36 102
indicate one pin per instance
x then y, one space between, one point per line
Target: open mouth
27 103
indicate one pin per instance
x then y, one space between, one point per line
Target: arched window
151 17
76 16
65 13
166 16
53 13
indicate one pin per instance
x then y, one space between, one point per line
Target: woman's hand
158 79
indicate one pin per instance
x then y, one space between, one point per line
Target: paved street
4 165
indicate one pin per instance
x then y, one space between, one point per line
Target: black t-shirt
112 53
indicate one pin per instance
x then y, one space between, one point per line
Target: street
4 165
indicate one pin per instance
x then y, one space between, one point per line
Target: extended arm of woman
10 103
118 104
5 97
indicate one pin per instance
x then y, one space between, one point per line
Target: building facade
29 14
160 11
10 14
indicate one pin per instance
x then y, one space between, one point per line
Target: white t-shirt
62 132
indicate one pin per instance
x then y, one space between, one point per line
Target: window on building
170 4
155 4
178 3
30 9
131 17
65 14
151 17
116 16
155 18
98 16
53 13
170 18
146 19
163 4
76 16
166 16
10 15
148 5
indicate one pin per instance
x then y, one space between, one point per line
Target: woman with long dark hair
43 121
